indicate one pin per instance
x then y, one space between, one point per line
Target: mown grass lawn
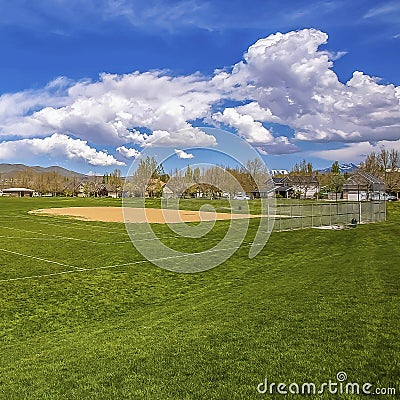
311 304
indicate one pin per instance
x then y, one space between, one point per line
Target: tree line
384 165
150 178
57 184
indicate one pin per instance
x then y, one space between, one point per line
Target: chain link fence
299 216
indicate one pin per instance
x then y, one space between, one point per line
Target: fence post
359 212
384 210
321 214
312 215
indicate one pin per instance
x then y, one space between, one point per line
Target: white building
17 192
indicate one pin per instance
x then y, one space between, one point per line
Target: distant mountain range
345 167
8 170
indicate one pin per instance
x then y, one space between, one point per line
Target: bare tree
116 181
394 159
384 165
372 164
140 180
177 183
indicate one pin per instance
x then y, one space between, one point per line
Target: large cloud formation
57 145
283 79
291 81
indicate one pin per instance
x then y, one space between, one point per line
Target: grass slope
311 304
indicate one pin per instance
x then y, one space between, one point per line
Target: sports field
85 316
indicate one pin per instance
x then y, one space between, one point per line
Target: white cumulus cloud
183 154
57 145
285 78
128 152
107 111
243 119
246 126
291 80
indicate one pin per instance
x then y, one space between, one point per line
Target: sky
87 85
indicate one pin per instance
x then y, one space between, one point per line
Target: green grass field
84 316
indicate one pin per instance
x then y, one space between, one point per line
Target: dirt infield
139 215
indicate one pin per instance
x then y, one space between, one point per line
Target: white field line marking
24 278
26 238
40 259
92 241
47 234
63 238
111 266
102 243
67 224
71 238
88 241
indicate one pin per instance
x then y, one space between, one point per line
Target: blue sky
87 84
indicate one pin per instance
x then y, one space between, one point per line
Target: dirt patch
139 215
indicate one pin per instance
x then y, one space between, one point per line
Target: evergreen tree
196 174
188 173
335 169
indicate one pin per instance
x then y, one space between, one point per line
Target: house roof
363 180
167 190
365 176
12 190
301 180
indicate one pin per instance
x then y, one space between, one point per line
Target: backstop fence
300 216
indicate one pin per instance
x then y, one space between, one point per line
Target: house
306 186
167 193
362 186
94 187
266 190
282 187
